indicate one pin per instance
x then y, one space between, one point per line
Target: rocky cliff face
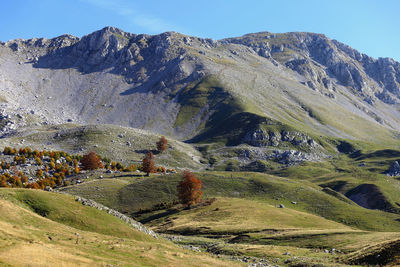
324 63
142 81
262 138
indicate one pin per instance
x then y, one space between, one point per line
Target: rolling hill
46 229
292 134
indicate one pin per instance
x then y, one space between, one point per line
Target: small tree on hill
189 189
77 170
148 165
91 161
162 144
39 173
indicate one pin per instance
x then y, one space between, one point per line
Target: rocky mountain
295 131
260 86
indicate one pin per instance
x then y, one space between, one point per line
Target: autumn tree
39 173
162 144
38 161
148 165
189 189
52 165
68 159
131 168
91 161
77 170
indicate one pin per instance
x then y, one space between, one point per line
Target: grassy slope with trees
41 223
242 214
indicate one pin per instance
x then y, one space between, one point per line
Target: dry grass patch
241 215
29 239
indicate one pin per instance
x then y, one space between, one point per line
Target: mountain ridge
108 74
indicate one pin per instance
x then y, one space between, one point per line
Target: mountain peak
128 71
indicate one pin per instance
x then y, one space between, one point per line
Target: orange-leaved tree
162 144
91 161
189 189
148 165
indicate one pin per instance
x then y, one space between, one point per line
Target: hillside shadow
386 153
159 215
145 151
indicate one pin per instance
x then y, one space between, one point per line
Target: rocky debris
331 251
292 157
191 247
215 249
260 137
394 169
253 261
133 223
7 125
173 238
246 155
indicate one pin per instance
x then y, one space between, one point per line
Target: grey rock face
114 77
340 63
394 169
260 138
249 155
293 157
7 124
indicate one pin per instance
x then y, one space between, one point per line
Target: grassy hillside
245 219
346 172
40 228
235 215
143 193
254 228
124 144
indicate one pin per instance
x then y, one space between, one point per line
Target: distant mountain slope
187 86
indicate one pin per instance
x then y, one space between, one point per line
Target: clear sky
370 26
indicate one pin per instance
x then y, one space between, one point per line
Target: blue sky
370 26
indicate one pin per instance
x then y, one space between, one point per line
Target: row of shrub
52 173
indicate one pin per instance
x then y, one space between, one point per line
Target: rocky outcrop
7 125
293 157
249 156
394 169
261 138
323 63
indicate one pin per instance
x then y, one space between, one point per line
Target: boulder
394 169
